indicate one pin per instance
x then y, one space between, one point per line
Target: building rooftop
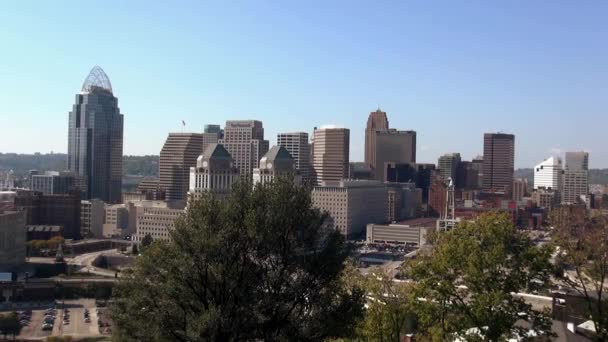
277 152
421 221
97 78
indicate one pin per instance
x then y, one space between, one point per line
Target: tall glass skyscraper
95 138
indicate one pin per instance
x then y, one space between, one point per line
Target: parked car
47 327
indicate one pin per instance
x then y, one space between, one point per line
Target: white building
156 218
299 148
353 204
92 217
244 140
214 173
548 174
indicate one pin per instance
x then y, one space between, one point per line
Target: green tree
467 280
581 239
9 325
134 250
147 241
258 265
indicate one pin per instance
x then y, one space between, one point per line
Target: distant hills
147 166
22 163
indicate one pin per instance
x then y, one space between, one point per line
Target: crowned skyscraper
95 138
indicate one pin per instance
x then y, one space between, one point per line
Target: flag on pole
183 123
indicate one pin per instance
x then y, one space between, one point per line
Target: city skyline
510 79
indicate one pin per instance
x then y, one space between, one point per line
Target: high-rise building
576 178
498 162
353 204
12 239
467 176
330 154
519 189
376 121
58 210
95 138
299 148
156 218
477 165
53 182
244 140
277 162
448 166
214 173
178 155
391 146
212 135
548 174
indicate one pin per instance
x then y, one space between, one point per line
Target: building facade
392 146
376 121
277 162
244 140
95 139
498 162
576 178
330 154
156 218
178 155
58 210
299 148
53 182
211 135
214 173
352 205
548 174
12 239
92 216
448 166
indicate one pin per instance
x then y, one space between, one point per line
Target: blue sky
451 70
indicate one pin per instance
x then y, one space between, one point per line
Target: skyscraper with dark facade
392 146
95 138
498 162
212 135
377 121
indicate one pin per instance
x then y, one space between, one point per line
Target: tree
55 241
147 241
465 284
134 250
9 325
581 239
261 264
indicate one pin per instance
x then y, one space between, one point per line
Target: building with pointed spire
277 162
95 139
215 172
377 121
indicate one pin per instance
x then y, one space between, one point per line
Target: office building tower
214 173
404 201
437 196
576 178
95 139
299 148
548 174
92 215
360 170
178 155
467 176
391 146
352 205
448 166
53 182
151 189
117 223
477 165
519 187
12 240
330 154
277 162
377 121
211 135
498 162
545 198
244 140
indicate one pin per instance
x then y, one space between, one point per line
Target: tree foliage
468 278
9 325
258 265
581 239
147 240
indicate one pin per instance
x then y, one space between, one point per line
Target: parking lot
76 318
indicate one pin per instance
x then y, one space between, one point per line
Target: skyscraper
299 148
244 140
391 146
548 174
178 155
95 138
214 173
448 166
576 177
330 154
212 135
498 162
376 121
277 162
